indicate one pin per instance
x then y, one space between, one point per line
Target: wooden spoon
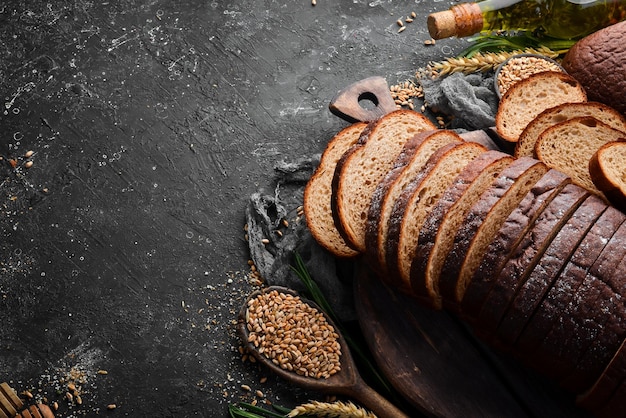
346 382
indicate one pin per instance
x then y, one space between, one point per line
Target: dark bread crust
540 277
560 294
508 237
598 62
374 233
464 190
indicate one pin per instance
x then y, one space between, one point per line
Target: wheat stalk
331 410
479 62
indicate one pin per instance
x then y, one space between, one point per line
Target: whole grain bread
408 165
318 191
598 62
569 146
364 165
529 97
525 145
510 233
437 233
482 223
416 201
606 169
561 229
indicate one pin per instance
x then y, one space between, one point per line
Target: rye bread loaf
557 256
361 168
525 145
606 169
599 394
408 165
317 193
482 223
559 295
416 201
529 97
545 265
437 233
598 62
569 146
528 253
510 233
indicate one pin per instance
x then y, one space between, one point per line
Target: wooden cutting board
435 362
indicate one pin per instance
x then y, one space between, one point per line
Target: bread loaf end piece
437 233
408 165
361 168
607 169
529 97
318 191
569 146
418 199
598 62
508 237
481 225
525 145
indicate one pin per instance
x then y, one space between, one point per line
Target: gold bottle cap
461 20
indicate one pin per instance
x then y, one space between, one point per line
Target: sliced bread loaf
363 166
416 201
508 237
558 224
607 169
481 225
525 145
437 233
531 96
318 191
559 295
552 264
409 165
569 146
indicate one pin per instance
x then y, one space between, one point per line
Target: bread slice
508 237
409 164
437 233
525 145
596 396
318 191
361 168
607 169
481 225
529 97
417 200
569 146
581 253
558 224
559 295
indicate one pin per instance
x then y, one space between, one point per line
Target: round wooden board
435 362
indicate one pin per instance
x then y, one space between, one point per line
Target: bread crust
545 267
512 230
607 181
598 62
435 235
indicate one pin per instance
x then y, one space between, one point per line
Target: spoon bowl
346 381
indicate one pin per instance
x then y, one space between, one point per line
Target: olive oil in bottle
561 19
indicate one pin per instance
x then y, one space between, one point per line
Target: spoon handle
375 402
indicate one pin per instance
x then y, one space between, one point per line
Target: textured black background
122 247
